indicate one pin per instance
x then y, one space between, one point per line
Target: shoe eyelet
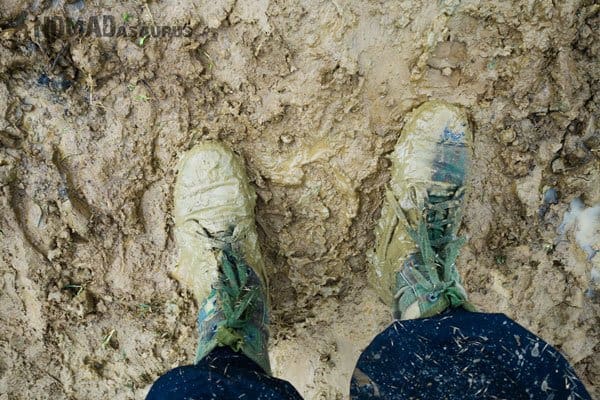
433 297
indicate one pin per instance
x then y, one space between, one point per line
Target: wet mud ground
312 95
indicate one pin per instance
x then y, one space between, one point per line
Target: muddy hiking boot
219 256
416 245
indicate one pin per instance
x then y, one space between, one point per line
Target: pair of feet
416 244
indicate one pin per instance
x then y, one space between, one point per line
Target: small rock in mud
507 136
550 197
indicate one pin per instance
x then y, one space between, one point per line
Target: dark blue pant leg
223 374
463 355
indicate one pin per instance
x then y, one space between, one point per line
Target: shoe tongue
450 163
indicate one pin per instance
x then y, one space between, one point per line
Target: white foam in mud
586 225
586 222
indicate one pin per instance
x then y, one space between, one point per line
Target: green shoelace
435 275
235 312
236 299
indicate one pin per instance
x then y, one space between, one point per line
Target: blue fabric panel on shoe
222 374
463 355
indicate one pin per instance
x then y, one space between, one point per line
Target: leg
463 355
222 374
440 350
221 264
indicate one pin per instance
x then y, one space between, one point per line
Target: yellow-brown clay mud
313 97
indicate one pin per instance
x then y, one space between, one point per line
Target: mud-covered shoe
416 245
219 256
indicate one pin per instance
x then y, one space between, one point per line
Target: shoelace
234 294
435 236
236 298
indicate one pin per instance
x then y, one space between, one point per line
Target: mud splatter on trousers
455 355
